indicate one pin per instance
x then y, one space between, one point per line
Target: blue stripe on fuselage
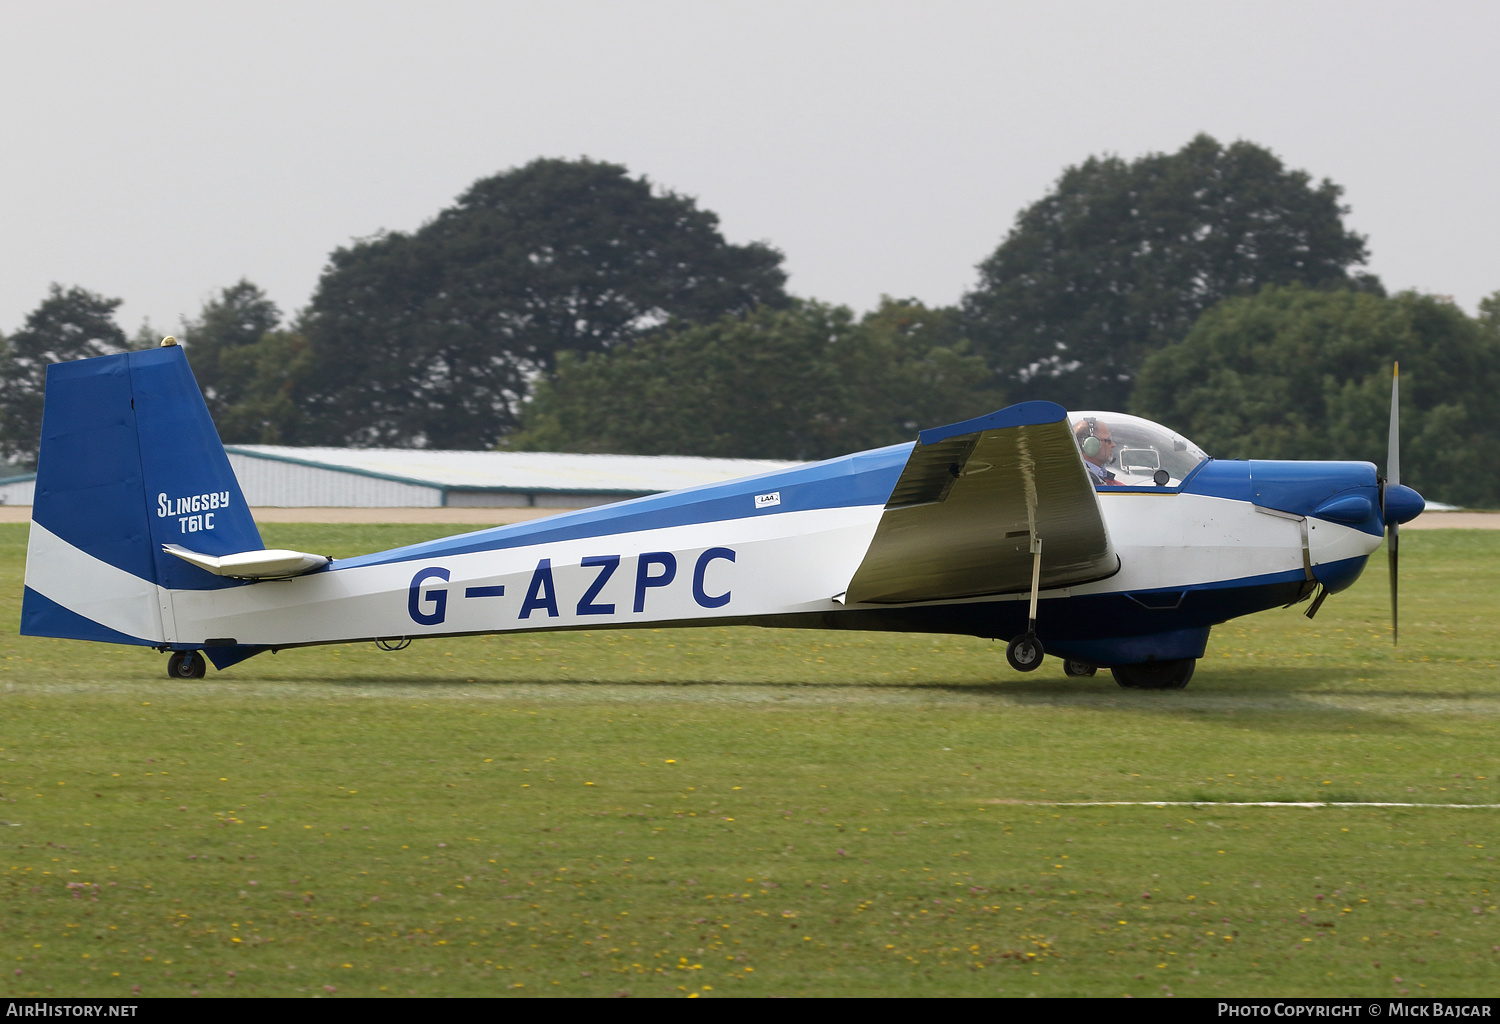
866 478
1114 627
42 616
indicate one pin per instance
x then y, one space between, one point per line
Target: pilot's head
1094 440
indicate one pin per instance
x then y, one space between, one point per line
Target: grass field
759 812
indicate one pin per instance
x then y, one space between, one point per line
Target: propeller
1393 479
1398 503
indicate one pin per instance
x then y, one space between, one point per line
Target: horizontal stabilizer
266 564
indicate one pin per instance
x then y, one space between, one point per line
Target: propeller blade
1393 542
1393 448
1393 479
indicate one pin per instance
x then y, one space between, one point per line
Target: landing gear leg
1025 652
186 665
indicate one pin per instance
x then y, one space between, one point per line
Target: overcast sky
157 152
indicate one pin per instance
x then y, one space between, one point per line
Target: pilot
1098 448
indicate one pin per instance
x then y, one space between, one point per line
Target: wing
960 520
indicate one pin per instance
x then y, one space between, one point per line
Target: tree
433 339
71 324
922 373
1293 373
1489 316
1121 258
262 380
237 319
806 382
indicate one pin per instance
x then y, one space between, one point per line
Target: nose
1343 492
1402 504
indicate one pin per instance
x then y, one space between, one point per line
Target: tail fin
129 461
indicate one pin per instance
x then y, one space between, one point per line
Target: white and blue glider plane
995 527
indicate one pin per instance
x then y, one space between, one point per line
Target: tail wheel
1079 669
1025 653
1155 675
186 665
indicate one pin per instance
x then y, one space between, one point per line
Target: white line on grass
1232 803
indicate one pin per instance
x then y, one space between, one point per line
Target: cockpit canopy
1142 450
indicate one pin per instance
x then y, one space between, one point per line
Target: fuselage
778 550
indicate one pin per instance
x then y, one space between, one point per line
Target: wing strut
1036 583
1025 652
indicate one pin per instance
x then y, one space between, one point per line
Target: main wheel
186 665
1025 653
1156 675
1079 669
